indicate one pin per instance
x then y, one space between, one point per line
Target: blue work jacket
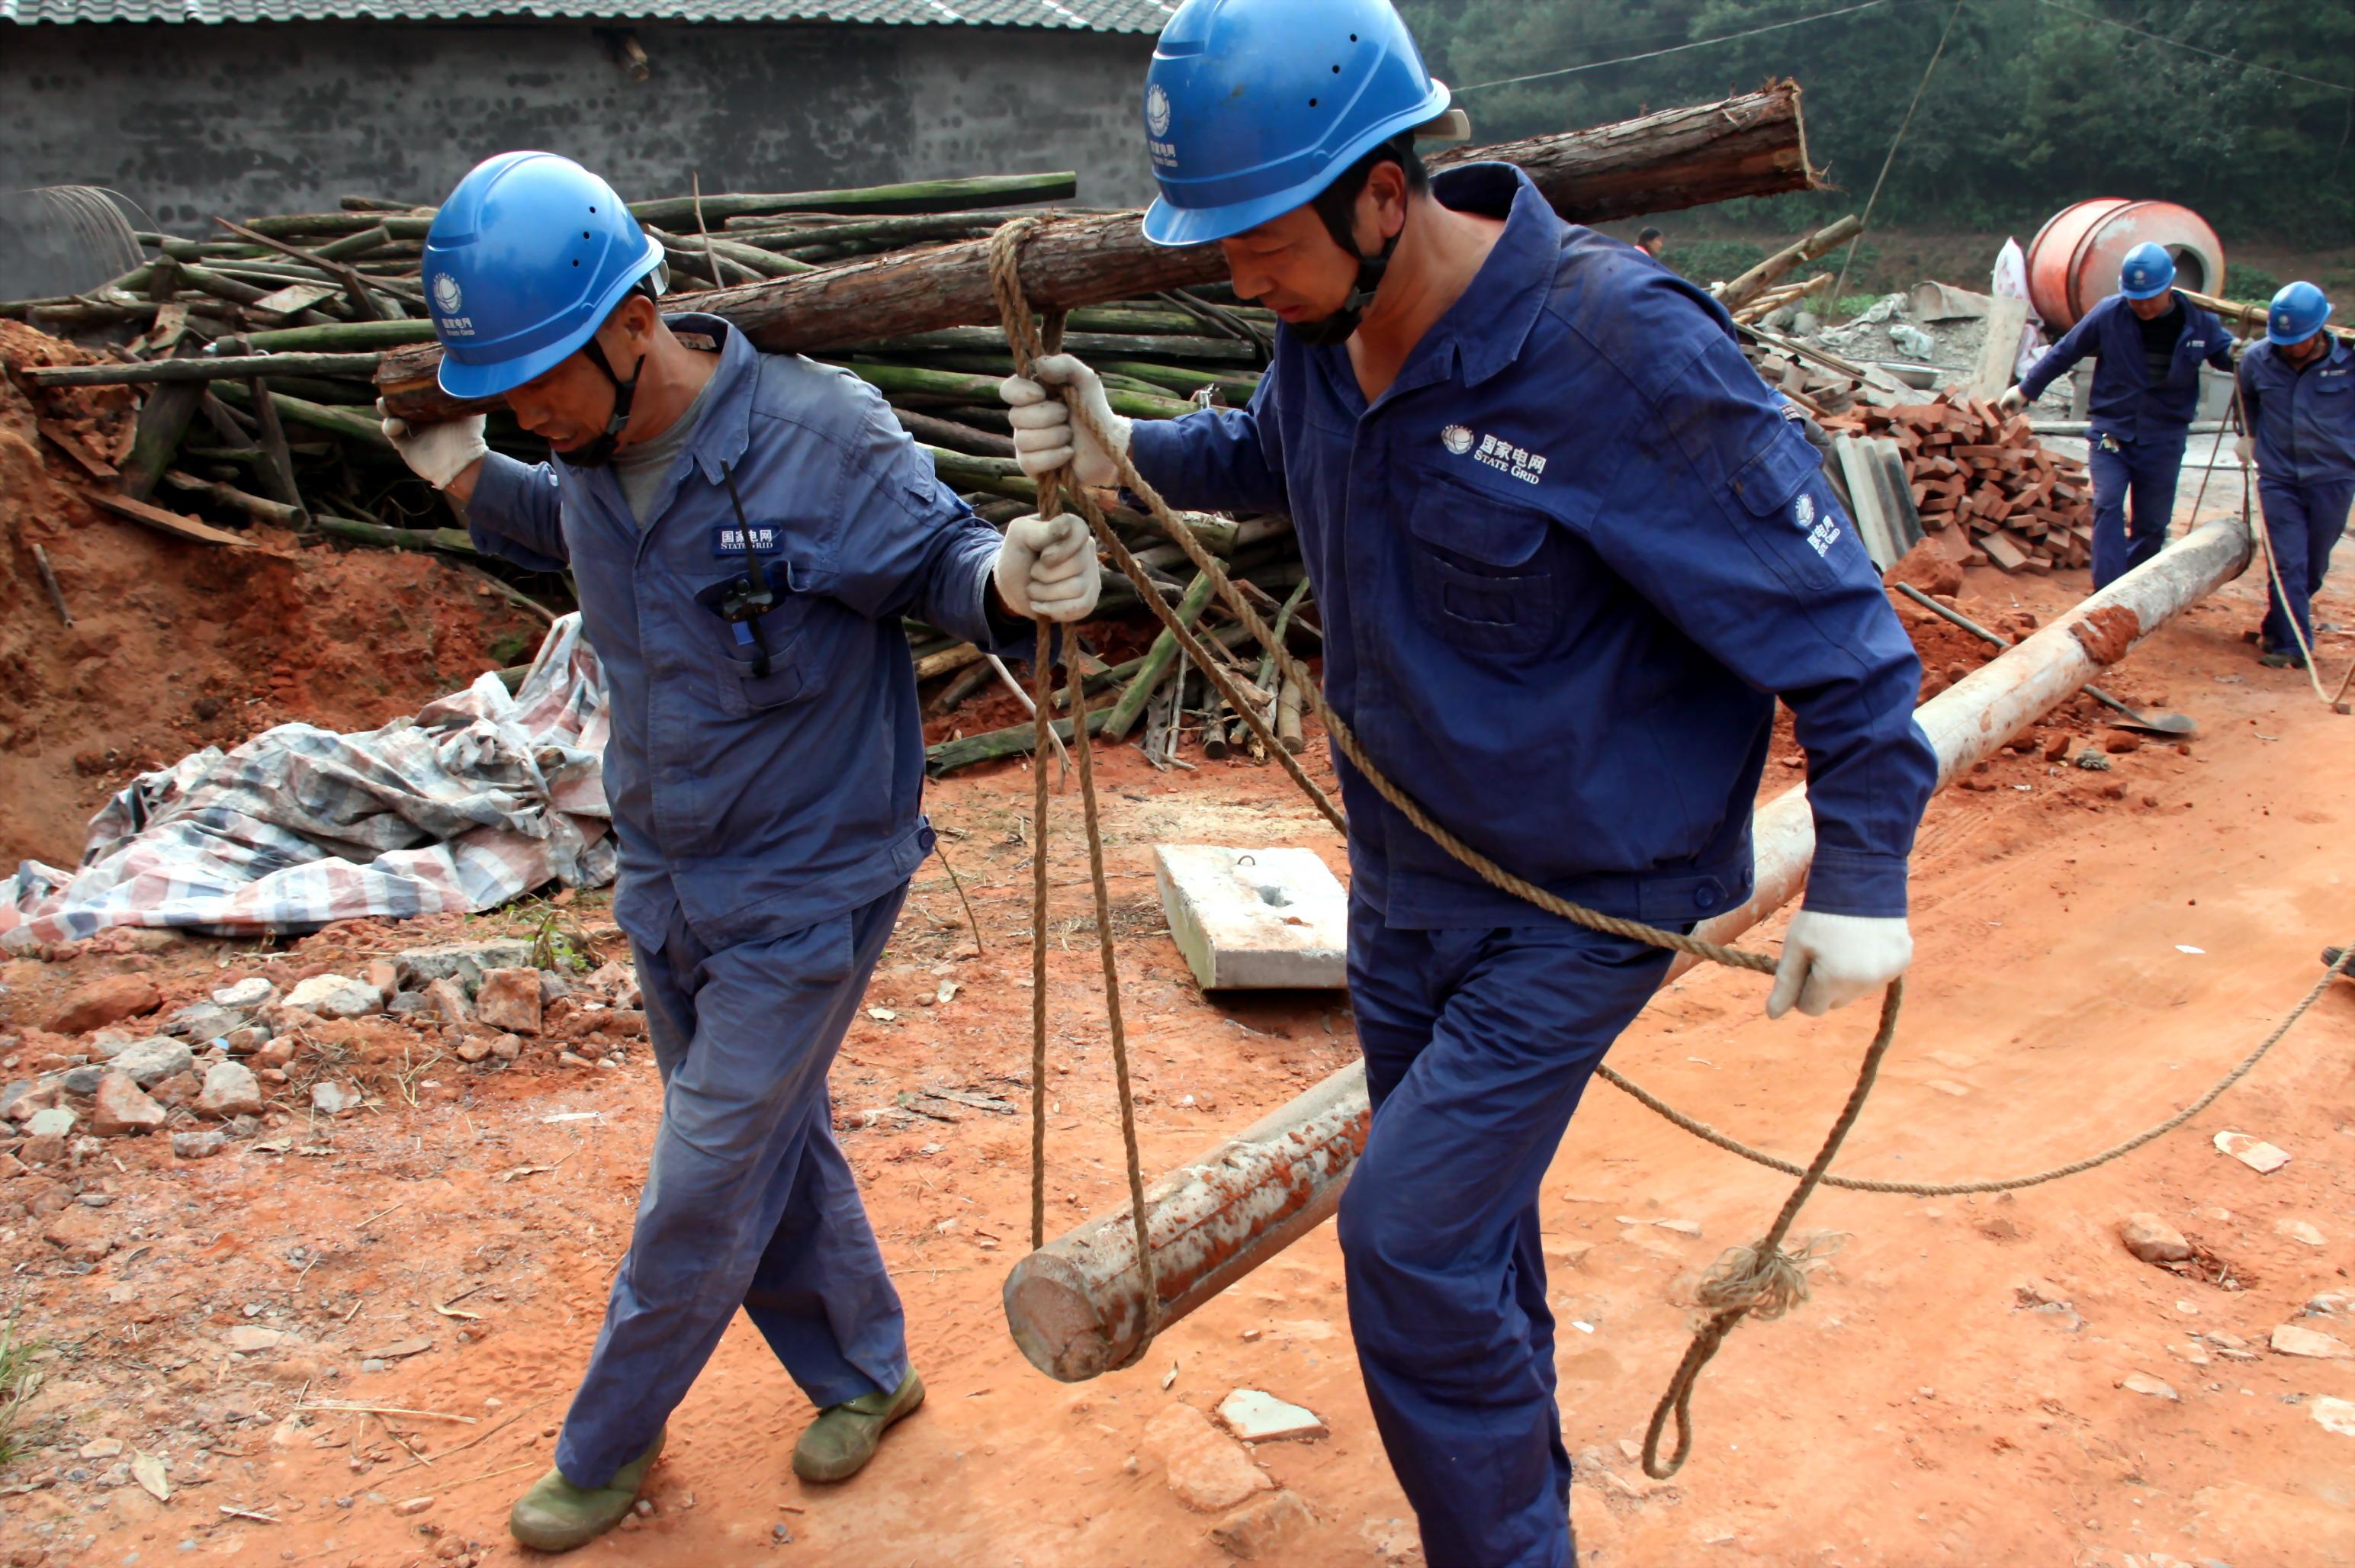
2304 420
1563 563
759 804
2124 402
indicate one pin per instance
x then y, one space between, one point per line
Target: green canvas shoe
845 1436
557 1516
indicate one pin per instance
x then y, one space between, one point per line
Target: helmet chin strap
1342 324
599 452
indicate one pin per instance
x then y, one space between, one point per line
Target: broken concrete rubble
231 1090
149 1062
245 995
121 1107
331 1099
2153 1240
466 962
509 1000
333 997
1258 1417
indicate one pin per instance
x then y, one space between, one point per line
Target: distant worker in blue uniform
2149 343
746 531
2297 392
1567 549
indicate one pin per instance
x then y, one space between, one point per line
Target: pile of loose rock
111 1063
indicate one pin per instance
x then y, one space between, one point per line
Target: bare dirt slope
1951 1393
177 645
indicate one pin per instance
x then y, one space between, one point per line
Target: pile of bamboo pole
260 350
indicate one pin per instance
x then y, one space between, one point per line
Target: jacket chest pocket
1484 573
758 663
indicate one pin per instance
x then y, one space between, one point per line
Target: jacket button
1706 894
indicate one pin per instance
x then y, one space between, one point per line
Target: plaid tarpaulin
476 800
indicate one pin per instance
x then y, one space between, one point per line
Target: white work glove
1830 960
437 453
1048 567
2245 449
1044 438
2013 400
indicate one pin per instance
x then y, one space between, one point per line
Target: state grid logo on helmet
446 293
1156 110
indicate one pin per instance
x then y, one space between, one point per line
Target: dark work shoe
2281 661
557 1516
845 1436
2331 956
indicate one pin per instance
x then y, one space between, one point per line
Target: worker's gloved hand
2013 400
437 453
1048 567
1830 960
1044 436
2245 449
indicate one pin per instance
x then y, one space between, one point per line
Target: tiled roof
1083 15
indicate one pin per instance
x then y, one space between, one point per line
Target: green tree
2034 104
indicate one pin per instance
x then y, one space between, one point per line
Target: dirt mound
176 646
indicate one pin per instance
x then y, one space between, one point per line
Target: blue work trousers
747 1197
1477 1045
2125 536
2304 522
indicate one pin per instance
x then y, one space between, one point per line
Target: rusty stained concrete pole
1074 1304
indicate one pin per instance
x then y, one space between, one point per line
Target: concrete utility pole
1075 1307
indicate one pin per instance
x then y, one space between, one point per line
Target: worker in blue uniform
2297 392
1567 549
2148 342
746 531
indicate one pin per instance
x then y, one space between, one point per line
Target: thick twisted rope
1034 344
1758 1277
1764 1279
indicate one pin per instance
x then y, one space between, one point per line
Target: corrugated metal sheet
1085 16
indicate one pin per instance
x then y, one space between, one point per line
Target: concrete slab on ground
1254 919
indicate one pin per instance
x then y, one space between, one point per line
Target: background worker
2297 392
1651 242
746 531
1566 547
2149 343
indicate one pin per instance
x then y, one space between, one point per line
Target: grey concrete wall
188 122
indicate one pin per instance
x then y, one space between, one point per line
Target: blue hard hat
2147 272
523 264
2296 314
1252 107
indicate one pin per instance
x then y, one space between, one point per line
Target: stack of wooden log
1983 481
261 349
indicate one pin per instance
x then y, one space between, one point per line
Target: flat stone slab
1257 1416
1254 919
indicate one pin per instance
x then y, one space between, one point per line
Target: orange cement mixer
2072 262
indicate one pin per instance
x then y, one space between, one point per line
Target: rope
1029 344
1764 1279
2241 1070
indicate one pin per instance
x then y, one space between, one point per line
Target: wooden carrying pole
1754 145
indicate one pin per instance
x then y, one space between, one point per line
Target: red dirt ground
1916 1411
177 645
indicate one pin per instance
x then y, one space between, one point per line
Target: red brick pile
1986 490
